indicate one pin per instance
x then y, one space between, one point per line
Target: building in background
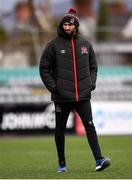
87 17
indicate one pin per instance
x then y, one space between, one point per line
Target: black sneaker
62 169
103 163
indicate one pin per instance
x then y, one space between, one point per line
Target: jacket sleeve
93 67
46 66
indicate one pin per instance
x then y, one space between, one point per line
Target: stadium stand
18 85
114 83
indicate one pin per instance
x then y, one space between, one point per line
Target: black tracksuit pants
62 111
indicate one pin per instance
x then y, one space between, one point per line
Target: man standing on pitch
68 68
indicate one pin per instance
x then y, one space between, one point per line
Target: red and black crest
84 50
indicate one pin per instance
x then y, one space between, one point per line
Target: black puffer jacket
68 68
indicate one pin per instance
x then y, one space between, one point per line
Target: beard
70 33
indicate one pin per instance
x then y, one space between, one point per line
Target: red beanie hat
71 17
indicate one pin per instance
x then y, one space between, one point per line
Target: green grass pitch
35 158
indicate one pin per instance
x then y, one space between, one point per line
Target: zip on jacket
75 69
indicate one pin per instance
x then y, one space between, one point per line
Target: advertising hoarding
110 118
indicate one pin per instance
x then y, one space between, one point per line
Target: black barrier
30 119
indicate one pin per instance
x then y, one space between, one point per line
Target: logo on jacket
63 51
84 50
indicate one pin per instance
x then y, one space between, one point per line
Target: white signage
112 118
